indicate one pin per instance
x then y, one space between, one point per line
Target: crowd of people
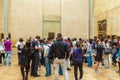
62 53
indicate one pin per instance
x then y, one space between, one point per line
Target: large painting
102 25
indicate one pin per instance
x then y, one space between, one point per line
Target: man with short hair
35 57
60 53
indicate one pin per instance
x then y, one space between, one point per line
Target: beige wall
51 9
1 16
51 17
110 10
25 18
74 18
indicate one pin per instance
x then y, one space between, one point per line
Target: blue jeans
106 60
8 55
89 59
60 70
48 67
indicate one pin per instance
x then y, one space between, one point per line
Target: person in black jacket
59 51
24 61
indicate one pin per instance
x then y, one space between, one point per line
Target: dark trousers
24 72
114 58
19 57
35 63
78 64
119 65
1 56
60 70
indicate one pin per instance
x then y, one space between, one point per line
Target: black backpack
32 49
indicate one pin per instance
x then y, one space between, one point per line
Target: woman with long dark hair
78 60
25 60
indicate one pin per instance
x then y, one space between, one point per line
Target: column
5 18
91 12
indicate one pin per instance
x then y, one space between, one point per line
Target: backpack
108 50
32 49
67 49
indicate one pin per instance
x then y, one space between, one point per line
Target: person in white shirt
2 50
20 44
46 54
107 52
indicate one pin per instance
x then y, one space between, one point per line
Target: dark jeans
114 58
35 63
1 56
78 64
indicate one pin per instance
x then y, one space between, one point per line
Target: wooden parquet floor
13 73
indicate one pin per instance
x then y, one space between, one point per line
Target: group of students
63 53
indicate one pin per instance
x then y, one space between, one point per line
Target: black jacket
59 50
24 57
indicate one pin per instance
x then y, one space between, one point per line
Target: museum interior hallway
13 73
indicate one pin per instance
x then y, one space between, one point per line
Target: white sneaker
97 72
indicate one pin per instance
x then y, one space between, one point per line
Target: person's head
75 39
28 44
106 41
90 41
46 41
30 38
98 42
80 39
21 40
79 45
59 36
38 38
7 38
69 39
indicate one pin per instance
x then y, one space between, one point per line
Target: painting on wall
102 25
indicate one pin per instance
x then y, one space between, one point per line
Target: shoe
36 75
97 72
106 67
5 64
47 75
32 74
26 78
0 64
103 64
10 64
118 71
68 69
